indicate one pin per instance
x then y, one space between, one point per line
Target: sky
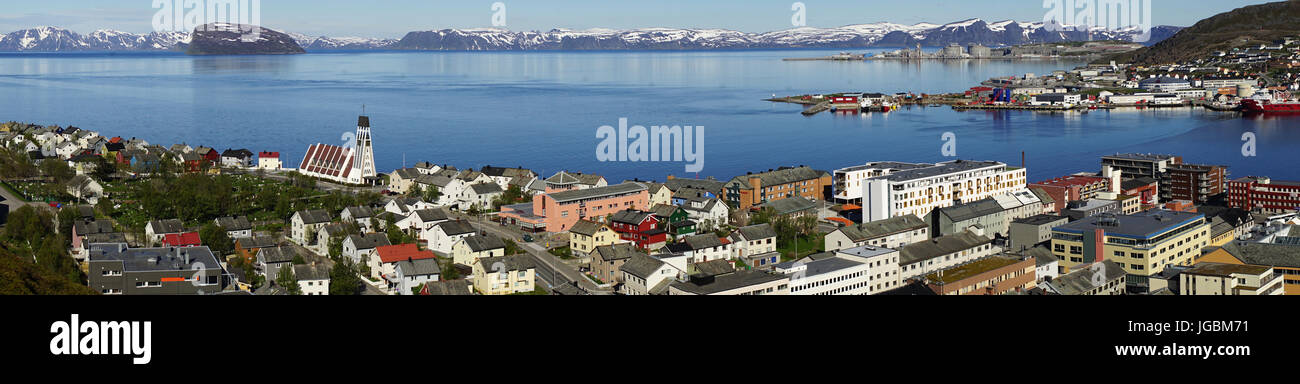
394 18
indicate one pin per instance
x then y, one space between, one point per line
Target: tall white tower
363 164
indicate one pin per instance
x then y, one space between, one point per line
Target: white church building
346 165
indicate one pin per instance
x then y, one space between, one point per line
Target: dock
819 108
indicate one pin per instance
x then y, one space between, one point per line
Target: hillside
227 39
1246 26
19 276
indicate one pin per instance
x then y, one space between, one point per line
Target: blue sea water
541 110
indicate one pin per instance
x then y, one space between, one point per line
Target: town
121 216
1253 81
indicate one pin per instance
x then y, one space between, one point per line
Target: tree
344 280
763 216
415 191
449 272
336 247
512 248
57 170
807 225
432 195
216 238
285 279
104 168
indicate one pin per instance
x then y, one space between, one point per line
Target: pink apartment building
559 211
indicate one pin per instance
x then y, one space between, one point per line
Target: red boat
1271 104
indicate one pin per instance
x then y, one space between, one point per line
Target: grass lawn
807 245
562 253
538 291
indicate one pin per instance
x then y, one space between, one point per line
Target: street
547 264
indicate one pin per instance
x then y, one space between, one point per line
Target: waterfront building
1263 194
1164 84
922 190
1193 182
345 165
847 182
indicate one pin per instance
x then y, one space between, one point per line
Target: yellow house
586 235
504 275
1143 243
470 249
1284 258
660 194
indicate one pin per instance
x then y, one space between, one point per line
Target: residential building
1264 195
385 266
470 249
919 191
993 275
237 158
271 259
745 192
646 275
923 258
269 161
361 248
607 261
1143 244
421 224
116 269
236 227
1196 183
1136 165
186 239
504 275
447 288
401 180
249 247
791 207
751 241
566 181
446 234
313 280
1147 189
414 273
363 216
702 248
639 227
674 219
1230 279
156 229
586 235
847 182
303 225
83 228
1078 210
894 232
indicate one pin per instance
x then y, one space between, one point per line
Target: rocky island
230 39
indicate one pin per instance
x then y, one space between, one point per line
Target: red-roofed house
384 266
269 161
115 139
188 239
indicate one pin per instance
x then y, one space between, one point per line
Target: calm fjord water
541 110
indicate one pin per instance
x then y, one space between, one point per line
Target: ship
1263 102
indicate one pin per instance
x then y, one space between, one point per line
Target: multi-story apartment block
1283 256
1192 182
744 192
1142 243
1263 194
847 182
559 211
921 190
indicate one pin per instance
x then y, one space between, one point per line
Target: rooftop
1226 270
971 269
929 249
598 192
727 282
154 259
1140 225
951 167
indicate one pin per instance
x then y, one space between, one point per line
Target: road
14 202
549 267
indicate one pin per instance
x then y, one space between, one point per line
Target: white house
85 188
702 248
403 206
646 275
753 240
157 229
420 223
269 161
305 223
711 215
236 227
314 280
413 273
446 234
482 195
66 150
363 216
361 248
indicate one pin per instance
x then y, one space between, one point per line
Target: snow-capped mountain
852 36
53 39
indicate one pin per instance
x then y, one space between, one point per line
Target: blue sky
393 18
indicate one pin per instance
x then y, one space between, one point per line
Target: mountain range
54 39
